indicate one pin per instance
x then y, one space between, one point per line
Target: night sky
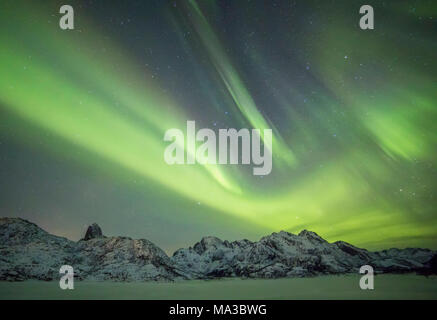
83 114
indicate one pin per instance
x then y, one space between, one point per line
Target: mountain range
29 252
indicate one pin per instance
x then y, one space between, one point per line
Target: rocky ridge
28 252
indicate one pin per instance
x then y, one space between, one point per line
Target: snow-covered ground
387 286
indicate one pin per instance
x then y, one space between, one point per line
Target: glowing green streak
235 86
102 103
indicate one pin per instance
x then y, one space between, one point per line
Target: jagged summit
93 231
28 252
311 235
283 254
208 243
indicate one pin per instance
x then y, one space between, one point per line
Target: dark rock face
28 252
433 264
352 250
93 232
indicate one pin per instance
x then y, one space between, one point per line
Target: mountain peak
93 231
311 235
280 254
10 220
207 243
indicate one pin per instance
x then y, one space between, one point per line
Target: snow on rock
28 252
122 258
287 255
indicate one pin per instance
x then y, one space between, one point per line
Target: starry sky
353 112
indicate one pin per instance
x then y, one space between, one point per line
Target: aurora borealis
83 113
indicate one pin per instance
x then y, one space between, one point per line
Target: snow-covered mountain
287 255
28 252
